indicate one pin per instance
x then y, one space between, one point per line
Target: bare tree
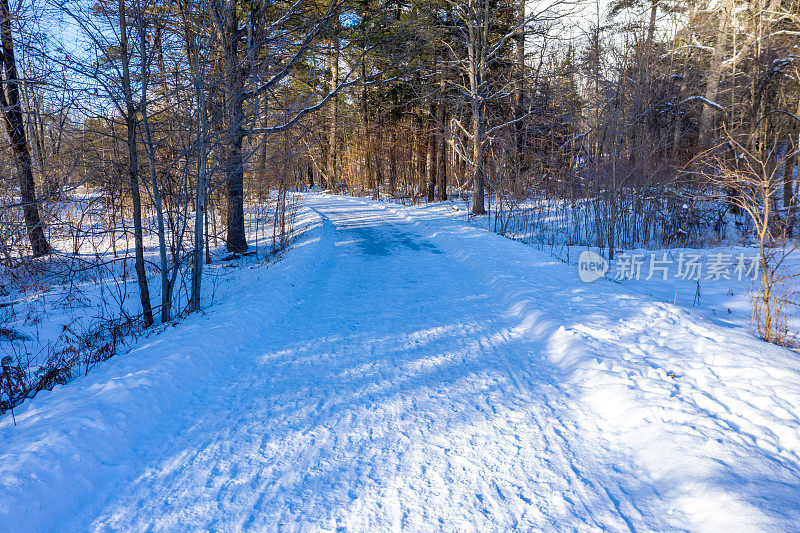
133 165
752 182
15 126
486 42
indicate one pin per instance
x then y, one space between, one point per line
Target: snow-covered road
416 373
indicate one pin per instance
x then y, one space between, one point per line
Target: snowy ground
52 302
724 297
400 369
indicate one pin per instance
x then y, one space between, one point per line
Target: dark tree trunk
478 177
431 161
235 241
12 115
133 171
441 191
441 131
392 161
377 146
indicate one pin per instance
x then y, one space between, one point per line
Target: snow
726 300
401 369
54 304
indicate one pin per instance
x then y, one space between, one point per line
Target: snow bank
707 410
69 443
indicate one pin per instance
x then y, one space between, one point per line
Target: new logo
591 266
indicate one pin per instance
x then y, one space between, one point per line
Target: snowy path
403 386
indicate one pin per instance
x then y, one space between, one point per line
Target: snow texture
402 370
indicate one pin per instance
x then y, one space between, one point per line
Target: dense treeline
141 125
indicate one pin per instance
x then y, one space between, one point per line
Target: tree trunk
166 289
200 206
430 160
392 160
12 115
651 27
442 153
714 75
788 175
478 134
420 147
367 144
377 147
159 48
477 72
133 170
330 170
236 240
519 88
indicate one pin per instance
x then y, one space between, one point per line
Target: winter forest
384 265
